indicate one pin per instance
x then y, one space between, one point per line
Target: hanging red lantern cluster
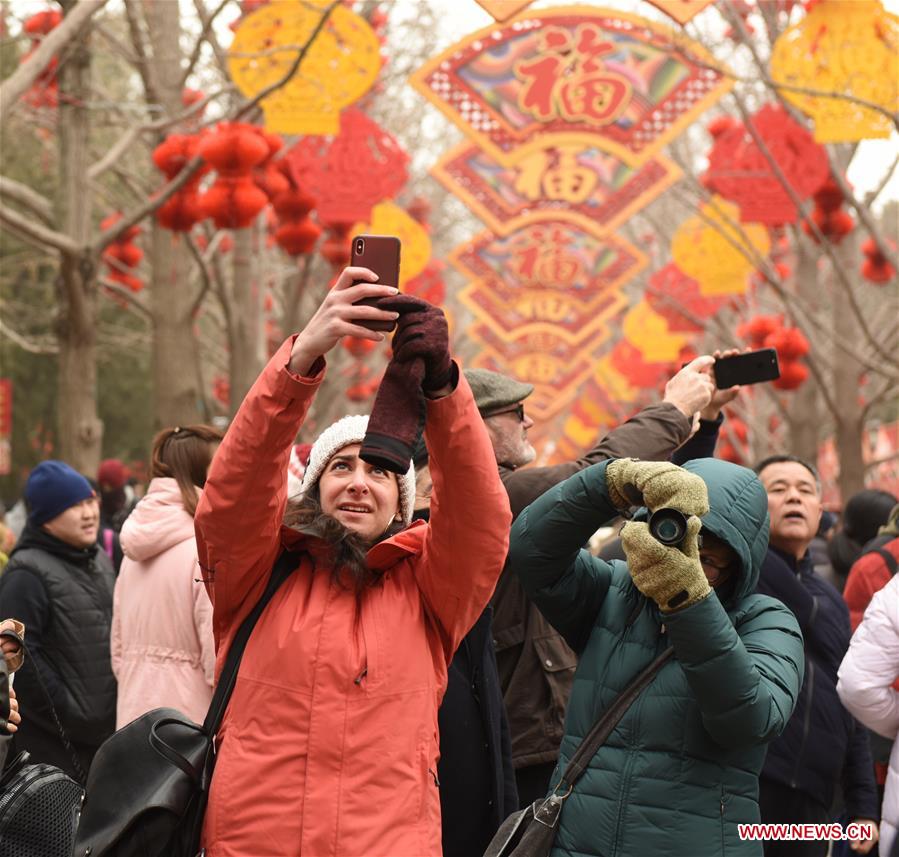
123 255
357 346
233 149
741 172
296 233
735 440
677 298
789 342
828 214
44 92
336 248
364 381
876 268
181 211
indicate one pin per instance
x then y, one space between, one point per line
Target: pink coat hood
157 523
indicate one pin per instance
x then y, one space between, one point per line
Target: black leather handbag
38 802
149 783
530 832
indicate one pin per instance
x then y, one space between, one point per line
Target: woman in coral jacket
161 639
866 687
329 744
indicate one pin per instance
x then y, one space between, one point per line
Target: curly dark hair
349 564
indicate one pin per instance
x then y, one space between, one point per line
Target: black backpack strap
284 567
887 557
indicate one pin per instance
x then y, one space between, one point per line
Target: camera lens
360 246
668 526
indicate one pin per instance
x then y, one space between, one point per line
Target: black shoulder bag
38 802
149 783
530 831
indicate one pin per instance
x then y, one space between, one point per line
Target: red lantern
180 211
336 248
234 148
122 255
758 329
232 202
832 221
792 375
628 361
298 237
876 269
790 343
221 390
670 289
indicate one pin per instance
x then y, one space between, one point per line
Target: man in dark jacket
59 584
536 666
823 746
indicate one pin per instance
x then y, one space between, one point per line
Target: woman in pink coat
162 648
329 745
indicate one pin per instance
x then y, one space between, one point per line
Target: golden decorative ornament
716 250
842 47
387 218
340 67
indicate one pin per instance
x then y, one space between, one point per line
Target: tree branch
28 72
36 234
207 21
27 345
30 198
872 195
142 63
125 294
221 55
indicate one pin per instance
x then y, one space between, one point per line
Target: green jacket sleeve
565 582
745 678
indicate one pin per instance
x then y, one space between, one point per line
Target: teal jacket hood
738 515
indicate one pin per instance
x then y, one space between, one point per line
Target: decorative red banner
590 187
546 273
573 73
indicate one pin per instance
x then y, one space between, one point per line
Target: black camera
668 526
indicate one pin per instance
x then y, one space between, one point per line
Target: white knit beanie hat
335 437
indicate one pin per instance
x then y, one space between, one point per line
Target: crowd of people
447 638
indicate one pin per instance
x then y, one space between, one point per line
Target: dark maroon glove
421 331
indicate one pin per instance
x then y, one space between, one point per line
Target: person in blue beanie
59 584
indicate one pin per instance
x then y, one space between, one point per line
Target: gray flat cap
494 391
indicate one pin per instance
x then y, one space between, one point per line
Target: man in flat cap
536 666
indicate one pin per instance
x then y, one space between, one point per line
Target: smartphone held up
381 254
753 367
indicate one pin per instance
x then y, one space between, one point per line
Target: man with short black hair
823 745
59 584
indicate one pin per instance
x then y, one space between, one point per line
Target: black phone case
381 254
751 368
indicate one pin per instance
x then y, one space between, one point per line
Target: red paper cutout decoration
351 173
740 172
429 284
123 255
234 149
182 210
629 362
876 269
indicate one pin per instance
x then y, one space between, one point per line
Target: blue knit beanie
53 487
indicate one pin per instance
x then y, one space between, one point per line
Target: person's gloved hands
421 331
656 484
670 576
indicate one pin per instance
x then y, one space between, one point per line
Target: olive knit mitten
671 577
656 484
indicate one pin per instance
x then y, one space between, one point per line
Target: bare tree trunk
80 429
177 398
846 377
247 347
805 402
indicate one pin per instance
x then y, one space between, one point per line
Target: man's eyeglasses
518 410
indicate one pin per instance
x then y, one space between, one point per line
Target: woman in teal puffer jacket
680 770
